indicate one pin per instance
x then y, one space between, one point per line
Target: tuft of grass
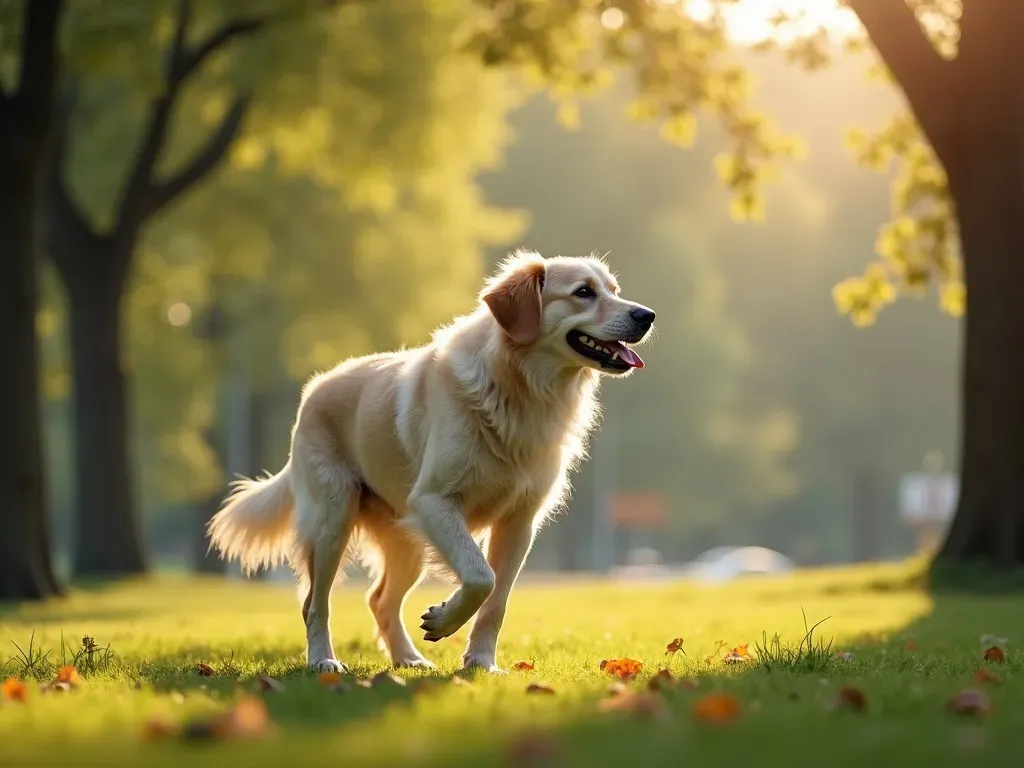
31 661
811 655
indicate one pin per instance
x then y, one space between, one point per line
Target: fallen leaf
617 688
540 688
14 690
624 669
68 675
329 679
523 666
852 698
204 670
56 686
995 653
717 708
844 655
662 679
674 646
531 748
984 677
157 728
641 704
969 701
248 719
270 684
738 654
382 678
911 646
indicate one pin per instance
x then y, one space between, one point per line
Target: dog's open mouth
612 355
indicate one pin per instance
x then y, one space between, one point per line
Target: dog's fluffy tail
253 525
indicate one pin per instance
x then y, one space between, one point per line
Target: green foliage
681 66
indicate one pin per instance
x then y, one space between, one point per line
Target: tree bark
26 571
107 539
989 191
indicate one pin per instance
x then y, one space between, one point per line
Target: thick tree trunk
989 525
25 567
107 540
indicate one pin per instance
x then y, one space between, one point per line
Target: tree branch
204 161
920 71
39 62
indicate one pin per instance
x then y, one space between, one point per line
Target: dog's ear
515 301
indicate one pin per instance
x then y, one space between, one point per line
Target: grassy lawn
910 653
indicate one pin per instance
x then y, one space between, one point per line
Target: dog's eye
584 292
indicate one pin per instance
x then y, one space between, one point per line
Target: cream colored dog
402 458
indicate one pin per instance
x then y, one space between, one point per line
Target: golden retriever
401 459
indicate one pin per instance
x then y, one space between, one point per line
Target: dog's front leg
508 544
441 520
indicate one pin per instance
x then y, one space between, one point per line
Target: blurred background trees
235 195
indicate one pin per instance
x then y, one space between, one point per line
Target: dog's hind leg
326 513
400 570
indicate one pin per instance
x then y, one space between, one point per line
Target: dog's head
569 306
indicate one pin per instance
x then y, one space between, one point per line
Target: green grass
911 651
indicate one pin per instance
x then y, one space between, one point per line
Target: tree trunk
989 525
25 568
107 540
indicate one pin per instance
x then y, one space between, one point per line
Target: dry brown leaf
543 688
738 654
68 675
248 719
624 669
717 708
531 748
523 666
675 646
984 677
271 685
158 728
911 646
13 690
852 698
663 680
995 653
641 704
969 701
382 678
204 670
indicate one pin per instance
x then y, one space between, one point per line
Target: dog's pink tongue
629 357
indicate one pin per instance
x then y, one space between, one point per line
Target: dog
404 459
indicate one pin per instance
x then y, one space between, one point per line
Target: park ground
878 696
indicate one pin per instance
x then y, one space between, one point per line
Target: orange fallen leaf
523 666
852 698
984 677
738 654
624 669
328 679
543 688
995 653
249 718
204 670
717 708
674 646
911 646
14 690
969 701
642 704
68 675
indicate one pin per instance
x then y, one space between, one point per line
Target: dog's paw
417 662
328 665
445 619
482 664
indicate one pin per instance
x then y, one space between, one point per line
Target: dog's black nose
642 315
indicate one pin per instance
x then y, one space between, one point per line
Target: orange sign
641 509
